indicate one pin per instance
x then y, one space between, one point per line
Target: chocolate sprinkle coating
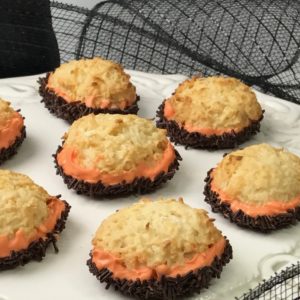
197 140
7 153
140 185
263 224
166 288
75 110
37 249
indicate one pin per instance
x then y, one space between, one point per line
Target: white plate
65 275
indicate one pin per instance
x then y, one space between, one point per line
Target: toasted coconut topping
151 233
258 174
23 204
6 112
215 103
96 82
116 142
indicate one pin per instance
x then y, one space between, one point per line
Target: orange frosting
67 159
11 130
270 208
103 259
21 241
89 101
169 112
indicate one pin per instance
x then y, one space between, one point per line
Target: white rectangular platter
65 275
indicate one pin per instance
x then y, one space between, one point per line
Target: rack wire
285 285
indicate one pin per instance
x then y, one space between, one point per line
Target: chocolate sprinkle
140 185
75 110
263 224
37 249
197 140
166 288
7 153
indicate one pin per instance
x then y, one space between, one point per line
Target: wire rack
256 41
282 286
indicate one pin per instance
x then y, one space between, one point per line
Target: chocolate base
140 185
197 140
7 153
263 224
167 288
37 249
75 110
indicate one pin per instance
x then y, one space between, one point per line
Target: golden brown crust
114 143
258 174
36 249
23 204
151 233
6 112
217 103
96 82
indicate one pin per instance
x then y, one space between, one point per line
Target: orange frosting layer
11 130
67 159
21 240
89 101
270 208
103 259
169 112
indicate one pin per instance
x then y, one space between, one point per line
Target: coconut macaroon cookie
158 250
211 113
85 86
107 155
257 187
12 130
30 220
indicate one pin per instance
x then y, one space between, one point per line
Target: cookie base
140 185
263 224
7 153
227 140
37 249
75 110
167 288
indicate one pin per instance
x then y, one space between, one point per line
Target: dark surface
140 185
28 44
167 288
197 140
73 111
37 249
261 223
7 153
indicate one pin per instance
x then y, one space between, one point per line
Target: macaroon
12 130
111 155
30 220
160 249
257 187
211 113
85 86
